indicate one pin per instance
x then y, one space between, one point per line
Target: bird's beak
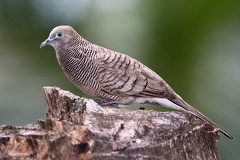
46 42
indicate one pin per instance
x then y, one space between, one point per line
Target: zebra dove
113 76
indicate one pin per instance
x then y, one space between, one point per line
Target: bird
113 76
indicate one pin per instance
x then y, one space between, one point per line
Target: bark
78 128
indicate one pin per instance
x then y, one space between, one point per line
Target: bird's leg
107 102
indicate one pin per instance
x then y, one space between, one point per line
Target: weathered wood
78 128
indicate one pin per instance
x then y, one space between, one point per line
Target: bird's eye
59 34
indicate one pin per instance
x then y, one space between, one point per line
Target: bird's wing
120 74
125 76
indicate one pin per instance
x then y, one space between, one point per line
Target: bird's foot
106 103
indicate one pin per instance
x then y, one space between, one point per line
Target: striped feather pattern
114 76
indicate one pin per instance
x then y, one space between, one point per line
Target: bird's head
60 36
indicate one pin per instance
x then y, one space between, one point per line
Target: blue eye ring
59 34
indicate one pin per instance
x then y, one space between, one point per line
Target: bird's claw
106 103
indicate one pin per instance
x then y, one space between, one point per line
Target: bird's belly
157 101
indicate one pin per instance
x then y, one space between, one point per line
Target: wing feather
121 74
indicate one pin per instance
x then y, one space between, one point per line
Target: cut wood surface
79 128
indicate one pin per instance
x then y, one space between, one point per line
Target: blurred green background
193 45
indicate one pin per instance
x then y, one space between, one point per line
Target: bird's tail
188 108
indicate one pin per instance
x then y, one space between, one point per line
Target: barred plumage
113 76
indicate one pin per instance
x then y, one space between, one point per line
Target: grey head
59 37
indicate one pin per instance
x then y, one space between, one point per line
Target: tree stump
79 128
